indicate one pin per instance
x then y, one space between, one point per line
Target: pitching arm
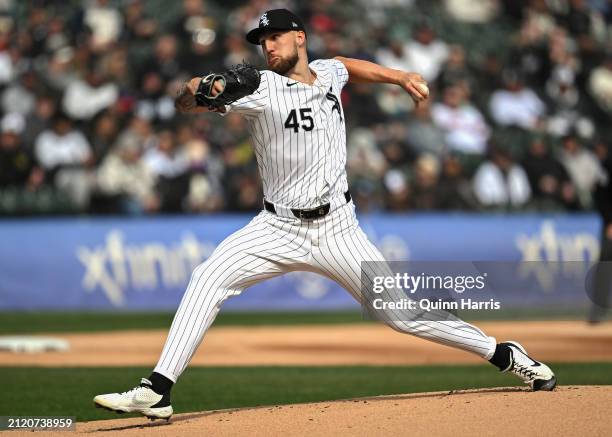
368 72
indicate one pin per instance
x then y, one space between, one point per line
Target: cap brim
253 36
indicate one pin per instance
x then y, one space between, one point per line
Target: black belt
307 214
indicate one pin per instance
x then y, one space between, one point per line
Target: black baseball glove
239 81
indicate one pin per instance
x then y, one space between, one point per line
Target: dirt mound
366 344
569 410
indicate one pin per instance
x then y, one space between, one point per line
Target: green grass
69 391
31 322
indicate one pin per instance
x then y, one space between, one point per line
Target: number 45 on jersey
305 120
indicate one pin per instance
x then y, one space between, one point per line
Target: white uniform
300 143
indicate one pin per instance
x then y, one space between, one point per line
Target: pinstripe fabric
305 167
268 246
300 168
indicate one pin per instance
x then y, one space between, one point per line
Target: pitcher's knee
405 327
205 278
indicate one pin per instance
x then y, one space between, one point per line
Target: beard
283 65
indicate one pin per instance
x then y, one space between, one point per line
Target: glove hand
219 89
186 102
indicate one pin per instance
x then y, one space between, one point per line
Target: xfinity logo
117 266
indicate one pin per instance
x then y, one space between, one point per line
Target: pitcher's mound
569 410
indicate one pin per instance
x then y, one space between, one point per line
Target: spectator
169 166
138 26
115 66
17 167
154 103
20 97
139 130
61 69
538 14
165 61
65 155
454 190
397 153
581 20
57 37
465 127
86 98
422 134
364 106
105 131
126 181
394 55
364 157
105 22
500 182
583 168
235 132
205 189
39 119
62 145
529 51
516 105
394 102
487 75
196 22
397 191
240 179
241 182
455 70
426 53
244 193
550 184
564 97
425 190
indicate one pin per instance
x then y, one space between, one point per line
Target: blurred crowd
518 119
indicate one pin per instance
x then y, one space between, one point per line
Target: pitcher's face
280 48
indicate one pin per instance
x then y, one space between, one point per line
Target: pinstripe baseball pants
268 246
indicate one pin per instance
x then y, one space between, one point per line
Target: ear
300 38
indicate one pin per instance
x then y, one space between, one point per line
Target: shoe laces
522 365
524 371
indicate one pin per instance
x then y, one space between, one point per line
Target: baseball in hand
424 89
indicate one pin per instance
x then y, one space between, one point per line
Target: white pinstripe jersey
299 135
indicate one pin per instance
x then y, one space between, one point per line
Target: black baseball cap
275 19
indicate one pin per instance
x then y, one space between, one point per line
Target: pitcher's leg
245 258
346 247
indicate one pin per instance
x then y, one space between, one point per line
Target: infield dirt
356 344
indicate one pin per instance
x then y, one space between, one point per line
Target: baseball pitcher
308 222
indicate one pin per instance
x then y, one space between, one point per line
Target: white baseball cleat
141 399
537 375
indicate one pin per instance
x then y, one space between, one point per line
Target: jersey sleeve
336 68
252 104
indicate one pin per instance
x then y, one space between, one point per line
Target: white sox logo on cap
263 21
